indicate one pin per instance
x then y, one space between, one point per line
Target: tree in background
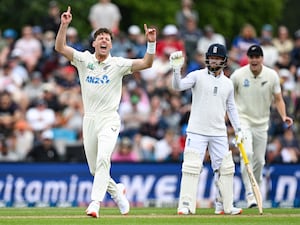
227 17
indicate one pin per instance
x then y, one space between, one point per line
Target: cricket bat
253 182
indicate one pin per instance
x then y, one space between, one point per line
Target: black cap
255 50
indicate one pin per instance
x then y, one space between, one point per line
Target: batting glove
176 60
239 137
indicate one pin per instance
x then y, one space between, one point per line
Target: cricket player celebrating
101 83
255 87
212 98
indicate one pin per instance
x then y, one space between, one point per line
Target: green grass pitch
153 216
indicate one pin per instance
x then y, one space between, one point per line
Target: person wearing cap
73 39
255 87
8 42
170 39
45 150
137 41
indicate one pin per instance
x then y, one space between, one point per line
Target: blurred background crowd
40 99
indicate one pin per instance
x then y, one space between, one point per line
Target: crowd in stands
40 99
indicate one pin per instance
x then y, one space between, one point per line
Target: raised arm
146 62
60 42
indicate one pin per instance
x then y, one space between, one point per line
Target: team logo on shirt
263 83
91 66
97 80
246 83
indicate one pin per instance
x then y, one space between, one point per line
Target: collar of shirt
103 62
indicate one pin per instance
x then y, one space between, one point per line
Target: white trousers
100 133
255 143
217 147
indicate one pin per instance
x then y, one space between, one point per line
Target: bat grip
243 152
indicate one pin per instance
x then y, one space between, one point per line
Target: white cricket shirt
254 96
101 83
212 97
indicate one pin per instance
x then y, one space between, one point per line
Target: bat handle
243 152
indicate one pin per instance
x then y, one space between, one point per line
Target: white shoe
121 200
93 209
236 211
219 210
183 211
251 201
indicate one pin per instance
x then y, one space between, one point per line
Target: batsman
212 98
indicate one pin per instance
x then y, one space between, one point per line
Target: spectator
184 13
73 113
290 152
8 82
105 14
122 46
124 151
40 117
137 40
51 98
241 43
284 62
9 113
190 35
33 89
9 37
66 78
73 39
45 151
24 139
266 32
172 111
176 154
164 147
196 63
287 81
52 20
160 66
295 53
273 154
50 58
31 48
134 109
6 154
209 37
146 148
282 41
19 72
270 52
155 127
170 42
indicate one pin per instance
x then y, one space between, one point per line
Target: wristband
151 47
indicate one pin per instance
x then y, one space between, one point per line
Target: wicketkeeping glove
176 60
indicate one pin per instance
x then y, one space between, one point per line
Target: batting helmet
216 50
